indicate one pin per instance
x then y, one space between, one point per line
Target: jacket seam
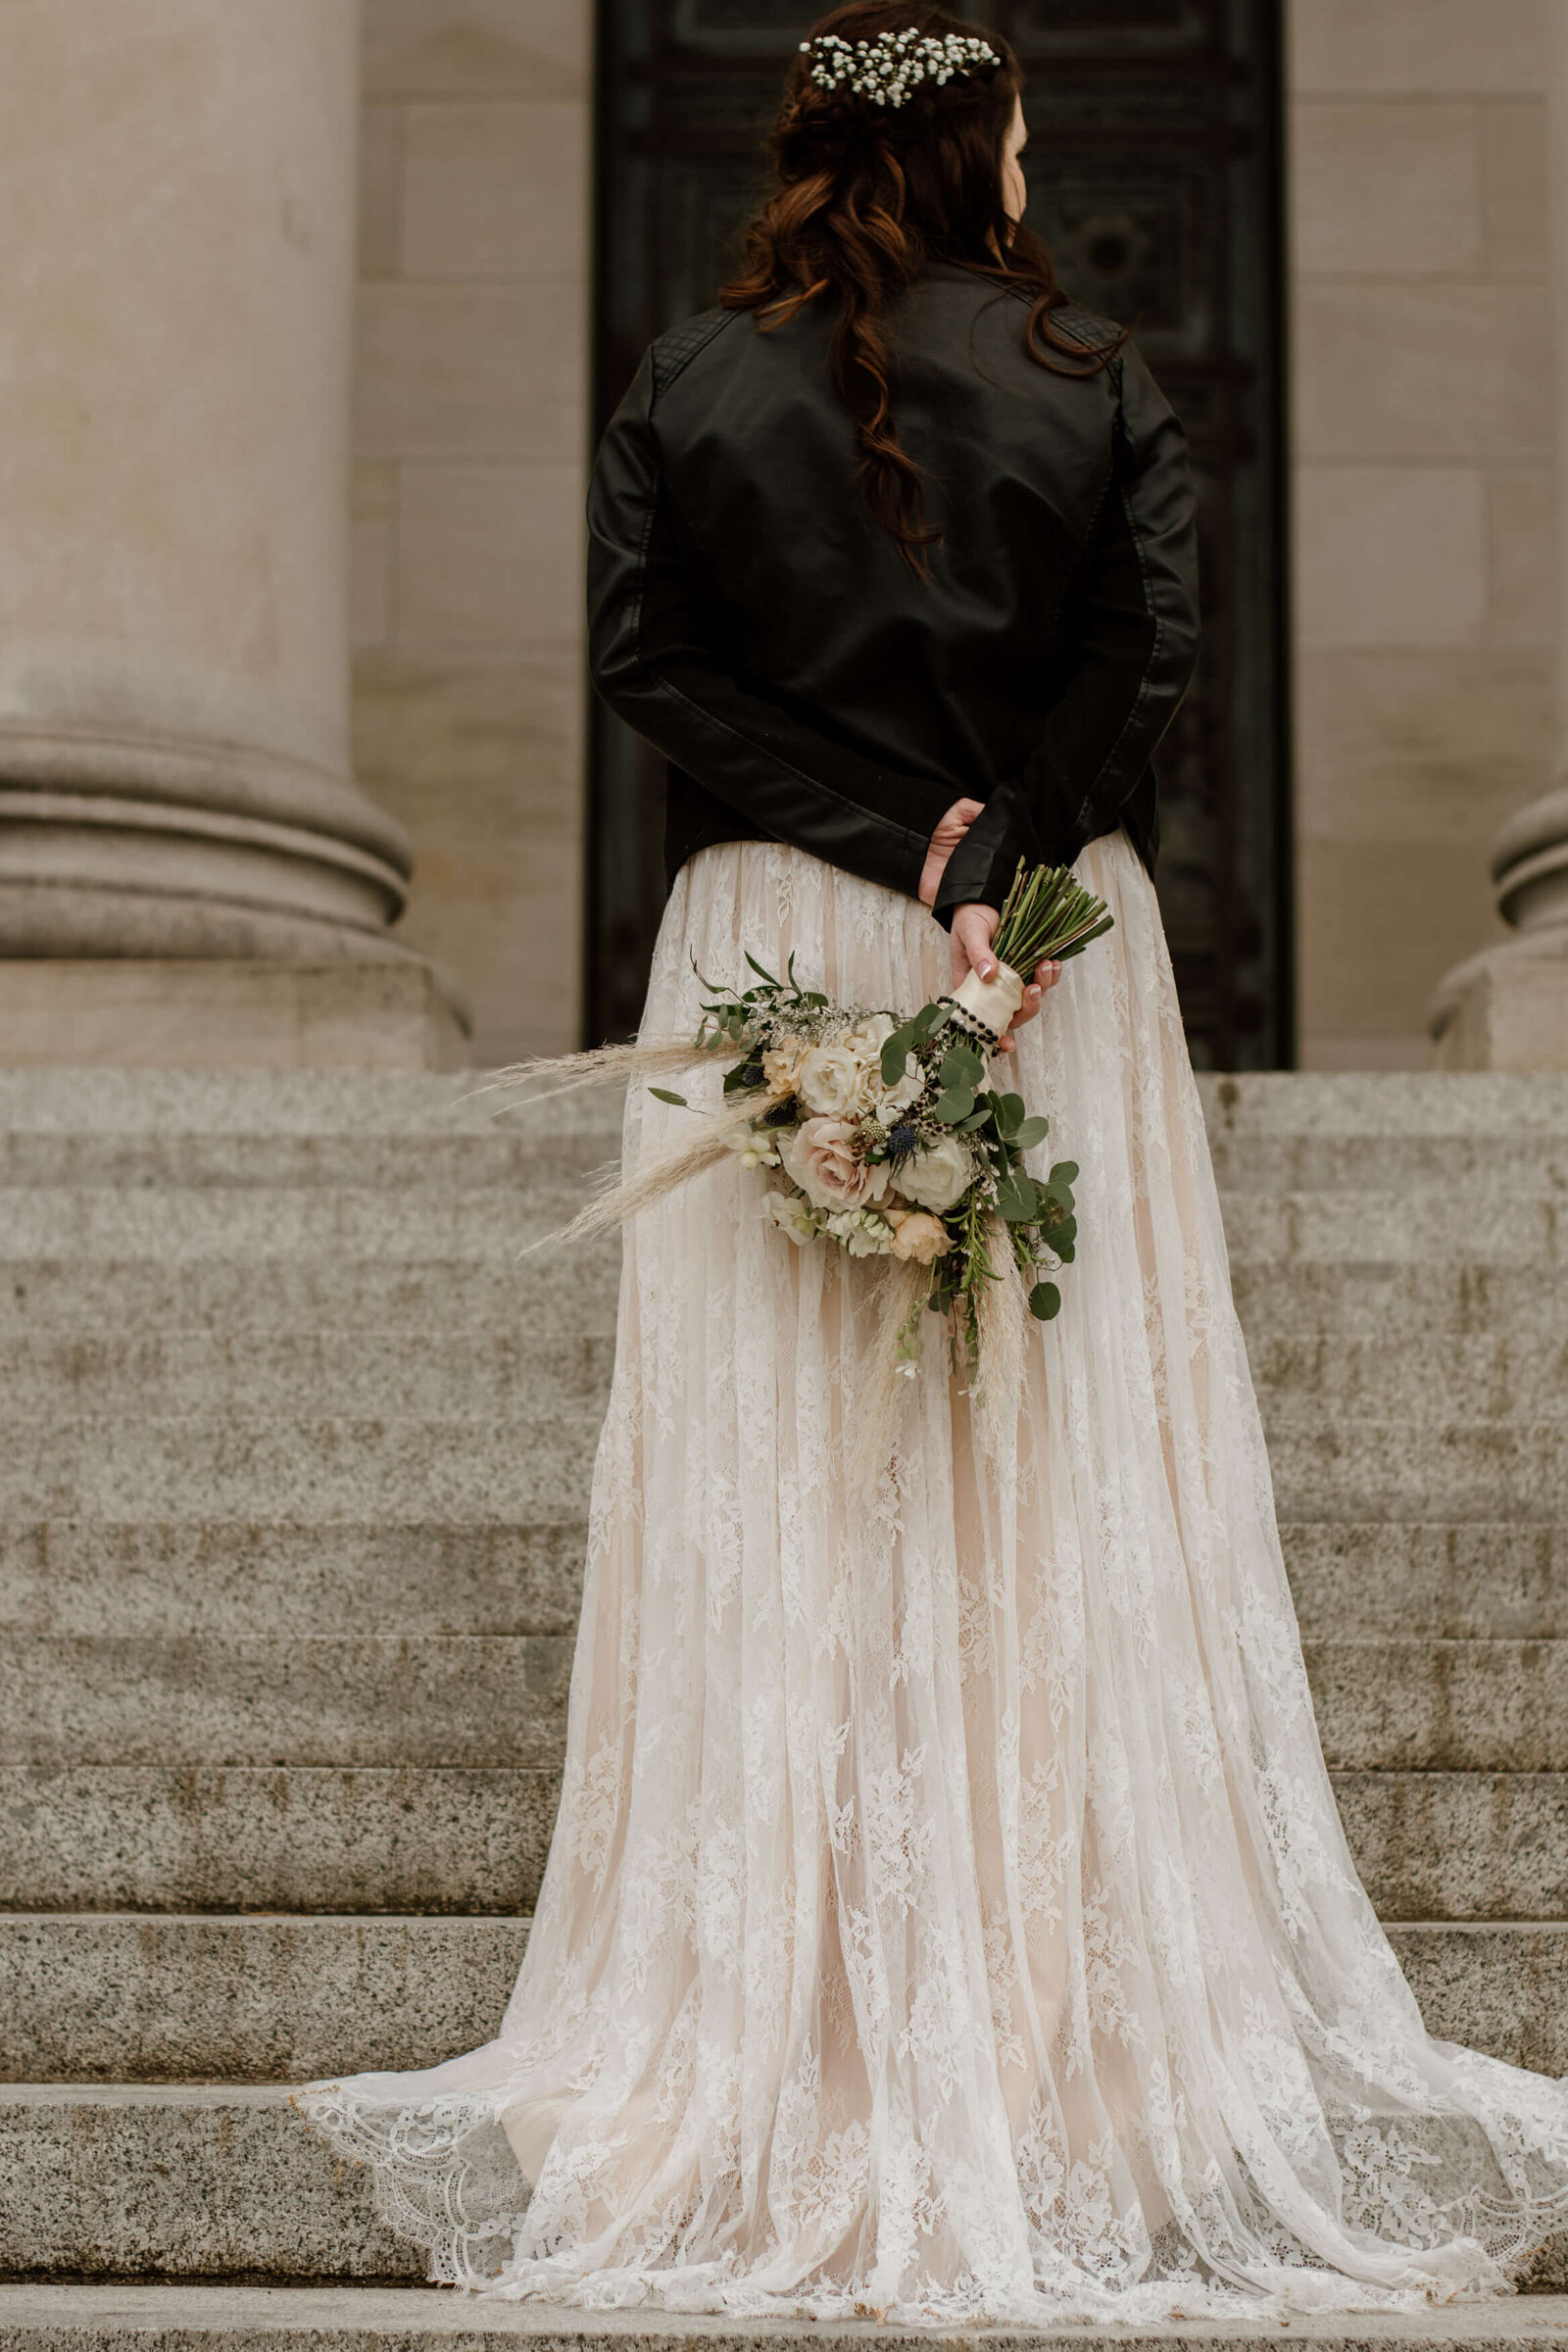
1141 697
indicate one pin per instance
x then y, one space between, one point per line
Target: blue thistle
903 1144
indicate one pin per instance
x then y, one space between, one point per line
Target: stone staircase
293 1474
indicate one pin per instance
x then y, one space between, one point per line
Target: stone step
1347 1466
173 1579
1389 1227
115 2180
1396 1305
1520 1376
1430 1845
131 2318
182 1223
487 1700
297 1837
1398 1579
325 1468
169 1579
100 1997
187 2181
477 1150
1400 1305
521 1372
305 1470
97 1997
374 1701
563 1351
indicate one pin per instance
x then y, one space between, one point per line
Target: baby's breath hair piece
889 68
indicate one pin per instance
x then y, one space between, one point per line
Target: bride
948 1916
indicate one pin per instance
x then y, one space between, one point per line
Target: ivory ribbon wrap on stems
993 1002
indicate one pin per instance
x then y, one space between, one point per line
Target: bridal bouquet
881 1133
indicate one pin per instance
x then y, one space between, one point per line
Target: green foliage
664 1095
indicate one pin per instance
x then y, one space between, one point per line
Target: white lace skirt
948 1914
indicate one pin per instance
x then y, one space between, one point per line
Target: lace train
948 1914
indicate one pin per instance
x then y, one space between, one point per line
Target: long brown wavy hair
868 195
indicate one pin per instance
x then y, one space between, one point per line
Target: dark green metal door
1154 176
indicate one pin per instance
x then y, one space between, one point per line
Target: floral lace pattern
947 1915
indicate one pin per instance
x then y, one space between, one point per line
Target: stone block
181 2181
491 556
1414 1705
1419 747
111 1997
1459 371
480 48
301 1838
1363 1469
1409 1306
192 1012
1493 1989
1380 922
302 1469
1459 1846
1384 188
498 189
1521 559
454 370
1387 1227
169 1579
1489 1379
370 1698
500 1375
1407 48
1391 555
382 149
135 2317
483 760
1515 202
1506 1008
1494 1580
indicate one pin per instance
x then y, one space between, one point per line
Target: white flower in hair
889 67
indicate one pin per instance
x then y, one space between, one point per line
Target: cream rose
938 1177
823 1158
781 1065
917 1236
828 1080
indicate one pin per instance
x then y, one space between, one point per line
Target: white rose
789 1212
868 1036
828 1080
939 1177
891 1100
823 1158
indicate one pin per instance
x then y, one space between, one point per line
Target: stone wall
470 436
1424 480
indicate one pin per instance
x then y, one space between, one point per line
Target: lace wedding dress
947 1915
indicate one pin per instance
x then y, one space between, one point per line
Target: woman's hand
973 929
943 841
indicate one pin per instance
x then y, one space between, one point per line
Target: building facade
207 837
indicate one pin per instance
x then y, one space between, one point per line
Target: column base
200 1014
1506 1008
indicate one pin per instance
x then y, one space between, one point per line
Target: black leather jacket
753 622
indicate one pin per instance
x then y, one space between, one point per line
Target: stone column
1507 1007
188 873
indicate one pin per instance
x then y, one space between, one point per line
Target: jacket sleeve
653 665
1136 644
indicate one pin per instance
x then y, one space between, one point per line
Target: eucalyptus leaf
895 1053
1066 1171
1016 1200
1045 1300
664 1095
1031 1132
961 1066
956 1105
